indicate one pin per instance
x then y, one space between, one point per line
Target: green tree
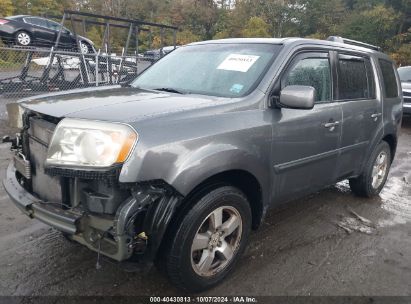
95 35
6 8
321 17
20 7
222 35
402 56
38 7
256 27
201 17
186 36
376 26
380 22
282 16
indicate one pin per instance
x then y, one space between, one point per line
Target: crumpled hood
115 103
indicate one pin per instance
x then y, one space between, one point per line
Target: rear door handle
375 116
331 125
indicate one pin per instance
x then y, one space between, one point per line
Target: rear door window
389 79
36 21
353 82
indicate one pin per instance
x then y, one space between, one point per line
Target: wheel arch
391 139
23 30
241 179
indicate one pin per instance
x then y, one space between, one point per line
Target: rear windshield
227 70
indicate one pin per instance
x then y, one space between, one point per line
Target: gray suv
178 167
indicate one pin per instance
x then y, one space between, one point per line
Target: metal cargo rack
44 70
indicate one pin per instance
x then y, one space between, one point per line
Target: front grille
110 175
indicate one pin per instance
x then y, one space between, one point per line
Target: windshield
227 70
405 74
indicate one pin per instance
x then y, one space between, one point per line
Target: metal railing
30 71
27 72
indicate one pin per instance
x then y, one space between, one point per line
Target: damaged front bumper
115 236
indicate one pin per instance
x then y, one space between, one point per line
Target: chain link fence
27 72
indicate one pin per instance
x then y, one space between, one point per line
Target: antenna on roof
353 42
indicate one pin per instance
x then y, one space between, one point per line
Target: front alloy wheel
210 239
216 242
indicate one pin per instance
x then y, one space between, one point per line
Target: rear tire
85 48
22 38
209 240
372 180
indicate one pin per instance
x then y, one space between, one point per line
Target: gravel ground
329 243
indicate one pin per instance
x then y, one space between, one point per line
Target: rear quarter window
389 80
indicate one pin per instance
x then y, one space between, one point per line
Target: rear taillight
3 21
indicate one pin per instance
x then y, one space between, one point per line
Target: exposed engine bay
89 206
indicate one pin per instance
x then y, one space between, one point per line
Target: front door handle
331 125
375 116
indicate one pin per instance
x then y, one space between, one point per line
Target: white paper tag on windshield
237 62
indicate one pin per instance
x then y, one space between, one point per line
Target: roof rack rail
353 42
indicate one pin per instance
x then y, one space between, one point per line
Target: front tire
210 239
372 180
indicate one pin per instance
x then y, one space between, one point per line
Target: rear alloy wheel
372 180
23 39
379 169
210 240
84 47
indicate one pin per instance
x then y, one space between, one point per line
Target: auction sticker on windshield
237 62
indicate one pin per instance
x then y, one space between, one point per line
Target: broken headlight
90 143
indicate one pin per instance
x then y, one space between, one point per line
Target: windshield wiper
171 90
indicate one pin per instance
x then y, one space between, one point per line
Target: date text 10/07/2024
234 299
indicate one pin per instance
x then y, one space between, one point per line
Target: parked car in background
405 77
158 53
27 31
181 164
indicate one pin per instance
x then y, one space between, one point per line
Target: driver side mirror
297 97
